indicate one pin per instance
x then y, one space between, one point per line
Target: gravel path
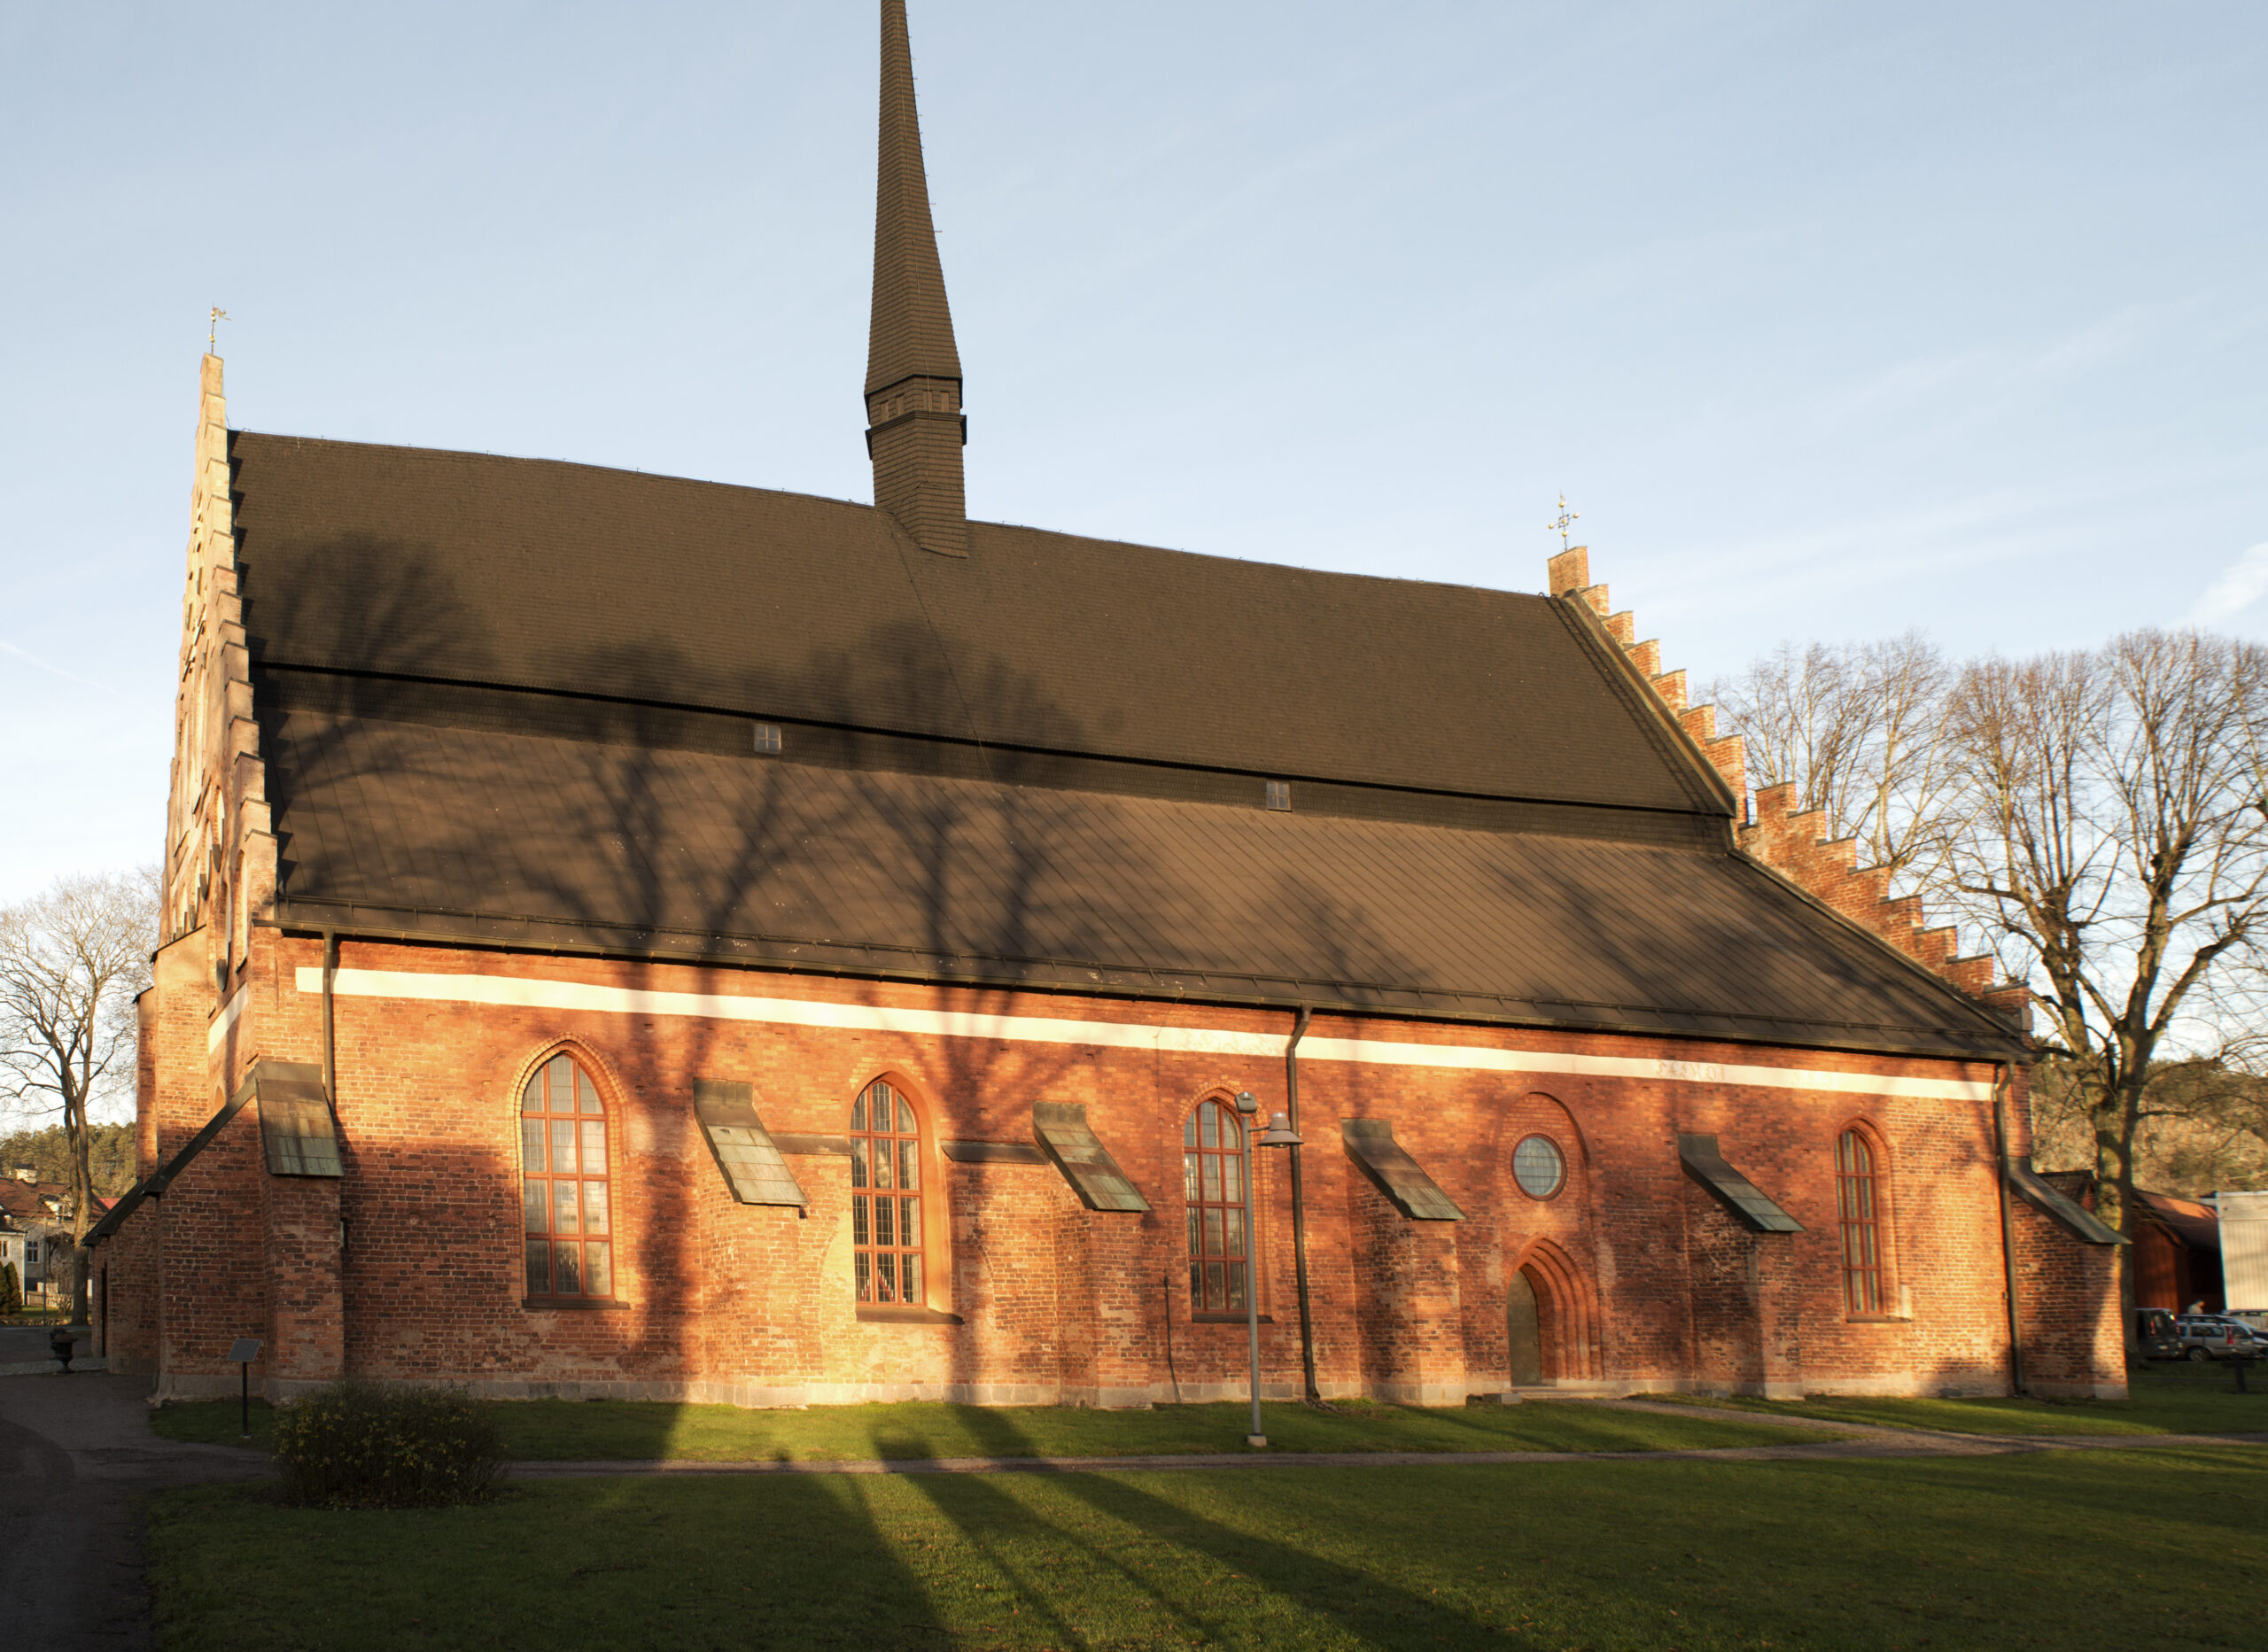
77 1459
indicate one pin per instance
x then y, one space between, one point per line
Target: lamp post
1278 1133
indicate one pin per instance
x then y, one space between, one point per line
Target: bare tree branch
71 962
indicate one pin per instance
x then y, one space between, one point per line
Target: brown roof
22 1200
2197 1226
552 841
578 580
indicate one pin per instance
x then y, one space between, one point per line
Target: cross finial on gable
212 330
1565 519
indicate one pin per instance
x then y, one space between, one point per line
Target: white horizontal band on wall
234 1007
514 992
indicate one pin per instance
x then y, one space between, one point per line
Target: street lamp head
1246 1104
1279 1132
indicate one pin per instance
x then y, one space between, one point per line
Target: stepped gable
1794 844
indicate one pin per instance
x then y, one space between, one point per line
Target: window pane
1188 1174
1236 1284
567 1269
910 1278
593 1147
859 1233
539 1268
1195 1247
1212 1177
885 1277
601 1279
909 1222
884 1228
532 1145
859 1112
1208 1125
1231 1180
594 1207
1215 1292
1213 1234
558 1074
1232 1237
905 1117
909 1171
881 1163
563 1147
532 1097
1196 1284
866 1277
1189 1131
857 1163
587 1091
539 1206
563 1209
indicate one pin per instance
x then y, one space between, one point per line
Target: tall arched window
1858 1209
563 1183
1212 1179
886 1195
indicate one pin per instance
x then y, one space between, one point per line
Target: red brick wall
1646 1281
2072 1340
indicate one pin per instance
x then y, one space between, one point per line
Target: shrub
11 1293
363 1445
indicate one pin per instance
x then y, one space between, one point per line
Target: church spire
915 430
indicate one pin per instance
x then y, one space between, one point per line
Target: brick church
655 938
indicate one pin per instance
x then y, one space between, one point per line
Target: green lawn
2163 1550
557 1429
2159 1404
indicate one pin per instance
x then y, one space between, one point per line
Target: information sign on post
242 1353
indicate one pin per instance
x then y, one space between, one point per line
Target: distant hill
110 1156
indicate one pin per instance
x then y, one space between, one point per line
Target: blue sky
1829 320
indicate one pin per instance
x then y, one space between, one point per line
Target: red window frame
566 1194
1858 1209
886 1194
1219 1207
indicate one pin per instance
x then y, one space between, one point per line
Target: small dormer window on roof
1279 795
767 739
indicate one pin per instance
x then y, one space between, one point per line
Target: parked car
2156 1334
2212 1337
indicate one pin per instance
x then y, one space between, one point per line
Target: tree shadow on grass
1197 1551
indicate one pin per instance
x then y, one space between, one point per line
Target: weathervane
1566 519
213 336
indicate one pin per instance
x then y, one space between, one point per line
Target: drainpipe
2007 1226
329 1074
1298 1205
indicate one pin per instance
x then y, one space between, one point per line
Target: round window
1538 1167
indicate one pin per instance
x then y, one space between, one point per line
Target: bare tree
2110 840
71 962
1857 730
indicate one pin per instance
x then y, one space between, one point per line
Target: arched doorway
1524 1332
1550 1323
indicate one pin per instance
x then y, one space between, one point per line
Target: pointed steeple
915 430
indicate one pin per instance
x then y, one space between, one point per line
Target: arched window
1857 1208
886 1195
1212 1179
564 1181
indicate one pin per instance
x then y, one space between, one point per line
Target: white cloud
68 677
2241 583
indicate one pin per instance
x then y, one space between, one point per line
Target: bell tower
915 428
